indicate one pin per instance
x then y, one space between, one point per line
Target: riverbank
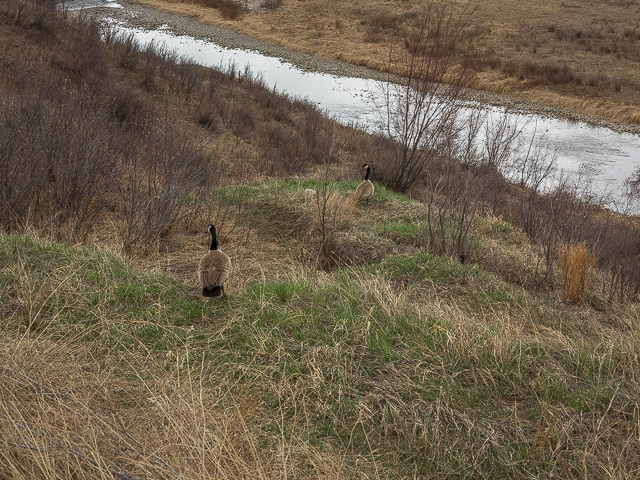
135 15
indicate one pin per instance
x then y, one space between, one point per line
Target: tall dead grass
576 264
60 418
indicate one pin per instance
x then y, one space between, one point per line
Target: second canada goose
214 268
365 189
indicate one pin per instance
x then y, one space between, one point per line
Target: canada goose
214 268
365 189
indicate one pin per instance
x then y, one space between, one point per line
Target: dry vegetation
576 264
456 333
580 55
61 417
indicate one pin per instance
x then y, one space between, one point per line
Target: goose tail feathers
212 292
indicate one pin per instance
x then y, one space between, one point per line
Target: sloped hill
391 367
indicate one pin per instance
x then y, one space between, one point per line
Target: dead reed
576 265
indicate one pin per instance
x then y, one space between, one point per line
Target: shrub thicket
111 135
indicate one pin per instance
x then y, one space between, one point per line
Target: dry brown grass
577 265
597 41
338 210
63 417
300 358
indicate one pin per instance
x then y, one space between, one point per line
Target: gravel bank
138 16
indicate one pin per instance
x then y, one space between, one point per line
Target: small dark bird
365 189
214 268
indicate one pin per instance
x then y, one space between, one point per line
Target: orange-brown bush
576 264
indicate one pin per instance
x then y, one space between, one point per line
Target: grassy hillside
389 369
473 328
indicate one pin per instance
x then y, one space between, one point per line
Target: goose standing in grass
365 189
214 268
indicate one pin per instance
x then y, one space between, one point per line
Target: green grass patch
400 230
425 267
65 291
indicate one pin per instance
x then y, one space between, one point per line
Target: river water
601 156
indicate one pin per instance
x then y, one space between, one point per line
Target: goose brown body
214 268
365 189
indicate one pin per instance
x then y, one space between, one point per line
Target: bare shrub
67 159
241 120
419 113
209 119
293 147
576 265
533 171
277 107
452 201
129 107
188 74
316 136
280 151
126 48
501 141
333 212
38 19
617 245
542 72
162 188
149 66
229 9
271 4
82 57
54 171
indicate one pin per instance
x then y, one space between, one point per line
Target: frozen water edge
84 4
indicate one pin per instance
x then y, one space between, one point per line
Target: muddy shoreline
135 15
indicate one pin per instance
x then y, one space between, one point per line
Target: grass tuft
576 264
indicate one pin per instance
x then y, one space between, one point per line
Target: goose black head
368 167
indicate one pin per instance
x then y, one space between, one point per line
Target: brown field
579 55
